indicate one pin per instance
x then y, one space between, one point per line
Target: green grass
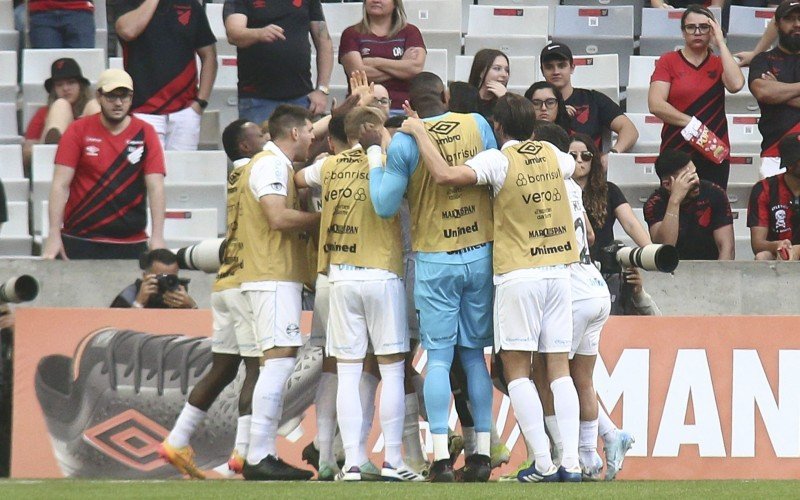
236 490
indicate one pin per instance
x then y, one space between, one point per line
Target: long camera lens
663 258
204 256
18 289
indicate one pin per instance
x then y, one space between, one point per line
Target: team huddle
499 257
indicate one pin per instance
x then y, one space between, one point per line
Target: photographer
633 300
160 287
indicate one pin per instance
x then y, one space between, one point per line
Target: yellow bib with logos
350 230
445 218
232 262
533 222
268 254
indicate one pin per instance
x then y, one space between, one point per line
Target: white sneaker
403 473
352 474
616 446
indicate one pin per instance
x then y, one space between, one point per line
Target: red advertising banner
96 390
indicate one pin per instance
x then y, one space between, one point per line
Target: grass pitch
236 490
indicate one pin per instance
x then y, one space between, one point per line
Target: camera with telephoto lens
167 283
18 289
654 257
204 256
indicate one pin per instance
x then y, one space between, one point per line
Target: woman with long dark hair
489 74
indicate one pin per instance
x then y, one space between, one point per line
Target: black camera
167 282
654 257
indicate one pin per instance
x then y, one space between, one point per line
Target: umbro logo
129 438
530 148
443 128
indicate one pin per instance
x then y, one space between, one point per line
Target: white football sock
349 413
470 440
367 387
325 402
530 417
565 402
242 434
267 408
188 420
483 442
604 423
551 424
441 449
587 444
393 411
412 445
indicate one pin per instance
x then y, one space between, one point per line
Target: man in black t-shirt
160 39
274 56
592 112
773 80
693 215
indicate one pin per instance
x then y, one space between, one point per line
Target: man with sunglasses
773 80
592 112
774 211
107 167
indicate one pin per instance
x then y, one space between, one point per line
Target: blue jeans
62 29
257 110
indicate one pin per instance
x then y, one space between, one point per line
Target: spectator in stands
160 39
489 74
774 211
687 92
275 36
106 167
773 81
549 104
381 99
385 45
592 112
463 98
61 24
69 97
692 214
160 287
605 204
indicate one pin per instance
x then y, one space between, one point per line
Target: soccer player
451 231
534 242
271 226
234 338
362 256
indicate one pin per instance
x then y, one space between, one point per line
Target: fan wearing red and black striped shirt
691 83
108 168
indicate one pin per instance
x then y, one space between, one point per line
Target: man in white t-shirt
534 241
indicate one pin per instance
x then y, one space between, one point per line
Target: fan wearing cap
69 97
592 112
773 80
773 214
109 169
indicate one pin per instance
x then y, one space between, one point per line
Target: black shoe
441 472
311 455
274 469
477 469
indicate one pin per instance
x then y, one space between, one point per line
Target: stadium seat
649 127
440 22
15 185
436 62
743 174
9 129
523 71
214 14
513 30
116 63
187 227
741 235
746 25
210 131
9 37
8 77
28 110
224 95
42 176
599 72
635 174
661 30
594 31
742 102
550 4
339 16
197 179
636 4
641 69
743 134
15 238
100 26
36 68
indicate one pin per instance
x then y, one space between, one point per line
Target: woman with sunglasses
604 201
489 74
687 91
386 46
549 104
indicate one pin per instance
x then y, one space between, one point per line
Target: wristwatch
202 102
325 90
